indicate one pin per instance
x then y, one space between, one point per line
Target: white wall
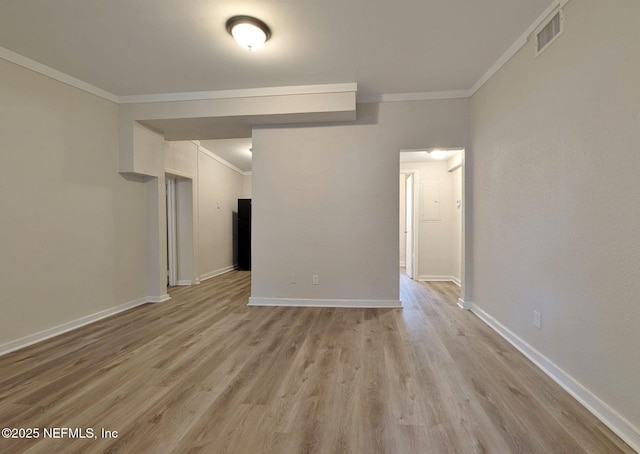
326 199
72 230
219 189
149 155
556 200
246 186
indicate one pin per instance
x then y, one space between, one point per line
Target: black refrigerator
244 234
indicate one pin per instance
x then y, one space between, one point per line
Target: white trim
158 299
215 273
467 306
178 173
416 225
305 302
456 281
172 231
66 327
612 419
221 161
433 278
403 263
420 96
516 46
241 93
184 282
48 71
45 70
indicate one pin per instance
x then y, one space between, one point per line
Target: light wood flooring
205 373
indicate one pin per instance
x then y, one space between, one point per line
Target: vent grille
549 32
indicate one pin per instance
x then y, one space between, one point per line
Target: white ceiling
133 47
234 151
424 156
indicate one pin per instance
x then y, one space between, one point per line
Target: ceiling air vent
548 32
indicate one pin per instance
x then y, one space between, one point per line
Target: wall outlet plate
537 319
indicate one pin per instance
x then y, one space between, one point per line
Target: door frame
416 225
172 232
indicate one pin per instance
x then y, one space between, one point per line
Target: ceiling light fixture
249 32
438 154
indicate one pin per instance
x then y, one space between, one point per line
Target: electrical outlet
316 280
292 279
537 319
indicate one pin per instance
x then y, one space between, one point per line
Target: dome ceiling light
438 154
249 32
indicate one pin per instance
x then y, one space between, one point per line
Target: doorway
181 258
431 212
408 225
172 233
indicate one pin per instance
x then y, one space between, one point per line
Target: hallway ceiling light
249 32
438 154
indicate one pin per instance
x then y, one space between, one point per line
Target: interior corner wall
219 188
326 199
555 191
72 229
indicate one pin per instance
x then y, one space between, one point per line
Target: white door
409 225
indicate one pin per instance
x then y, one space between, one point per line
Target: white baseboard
215 273
184 282
158 299
69 326
303 302
612 419
466 305
456 281
430 278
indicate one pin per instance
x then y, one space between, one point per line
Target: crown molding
419 96
242 93
45 70
222 161
516 46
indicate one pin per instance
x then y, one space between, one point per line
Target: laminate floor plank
205 373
